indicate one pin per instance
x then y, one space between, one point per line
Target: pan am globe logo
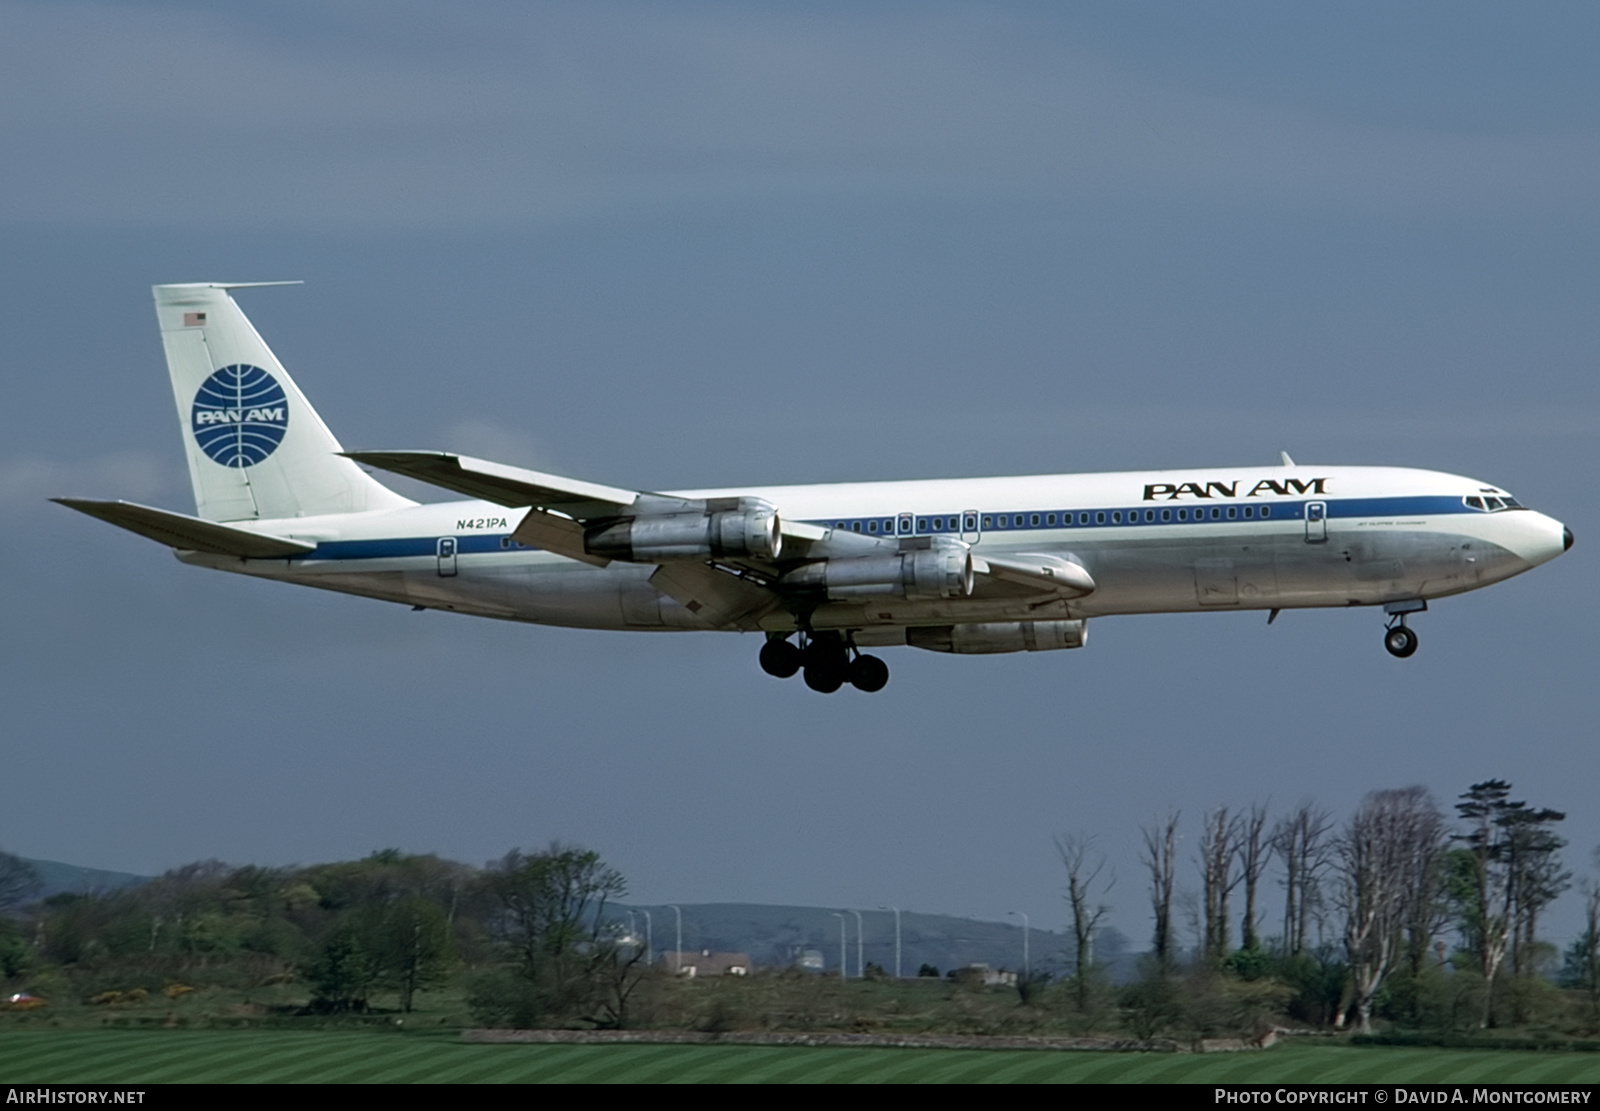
240 415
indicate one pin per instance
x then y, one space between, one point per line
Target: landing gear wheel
1400 641
780 659
868 673
824 678
826 665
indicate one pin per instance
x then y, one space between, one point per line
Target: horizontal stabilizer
512 487
1042 572
189 534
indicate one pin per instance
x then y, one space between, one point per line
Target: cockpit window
1492 503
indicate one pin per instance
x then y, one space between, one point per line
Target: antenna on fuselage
1287 462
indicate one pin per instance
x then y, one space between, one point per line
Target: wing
559 508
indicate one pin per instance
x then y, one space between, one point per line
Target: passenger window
1183 514
988 522
1249 512
1050 520
1166 514
1100 517
855 526
1216 514
1083 518
1034 520
872 526
1232 512
1116 516
1266 510
1149 514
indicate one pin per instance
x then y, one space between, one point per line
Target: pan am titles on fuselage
968 566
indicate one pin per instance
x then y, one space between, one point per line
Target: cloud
484 115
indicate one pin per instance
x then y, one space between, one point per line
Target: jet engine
923 574
999 636
724 528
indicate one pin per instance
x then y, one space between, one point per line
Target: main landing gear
828 660
1397 637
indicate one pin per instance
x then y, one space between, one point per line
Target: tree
1219 836
1301 842
1510 872
1083 867
1391 850
1254 851
1582 967
412 941
551 915
1161 860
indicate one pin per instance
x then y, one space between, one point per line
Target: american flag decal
193 319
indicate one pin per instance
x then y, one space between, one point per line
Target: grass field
334 1056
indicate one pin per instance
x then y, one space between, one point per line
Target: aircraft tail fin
256 447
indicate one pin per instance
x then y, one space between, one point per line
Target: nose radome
1566 539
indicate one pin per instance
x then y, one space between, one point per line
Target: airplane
821 572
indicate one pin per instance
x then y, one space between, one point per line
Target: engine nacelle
1000 636
726 528
924 574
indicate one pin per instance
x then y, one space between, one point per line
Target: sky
696 244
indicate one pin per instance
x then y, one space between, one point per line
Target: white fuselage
1177 541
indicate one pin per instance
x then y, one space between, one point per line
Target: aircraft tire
868 673
780 659
824 679
1400 641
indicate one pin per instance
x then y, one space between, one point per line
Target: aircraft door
1316 522
447 556
970 531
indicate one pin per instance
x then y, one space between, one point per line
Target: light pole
649 939
861 967
896 939
844 970
1027 972
677 957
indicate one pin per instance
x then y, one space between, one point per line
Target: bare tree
1219 840
1392 848
1083 865
1301 842
1254 852
1161 859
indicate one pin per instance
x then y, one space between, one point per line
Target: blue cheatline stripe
1150 513
1031 520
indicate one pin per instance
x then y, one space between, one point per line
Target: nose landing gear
828 660
1397 637
1400 641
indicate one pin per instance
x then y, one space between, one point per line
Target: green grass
374 1057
